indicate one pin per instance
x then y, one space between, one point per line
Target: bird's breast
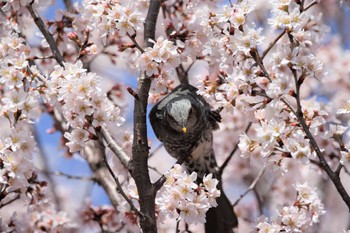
203 148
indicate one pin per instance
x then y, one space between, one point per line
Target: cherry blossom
275 69
183 199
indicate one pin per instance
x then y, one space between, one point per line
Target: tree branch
138 166
223 166
272 44
17 197
120 189
255 54
251 186
132 38
182 74
94 152
334 176
48 36
117 150
69 176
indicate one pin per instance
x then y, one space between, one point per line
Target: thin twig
48 36
120 189
69 176
339 168
10 201
284 100
251 186
260 63
156 150
272 44
155 170
223 166
310 5
258 199
177 229
189 68
132 38
322 161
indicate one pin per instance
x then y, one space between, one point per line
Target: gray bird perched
184 122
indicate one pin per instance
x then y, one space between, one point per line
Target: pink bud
72 35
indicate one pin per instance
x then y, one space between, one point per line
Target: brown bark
140 151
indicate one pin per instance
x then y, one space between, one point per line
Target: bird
184 122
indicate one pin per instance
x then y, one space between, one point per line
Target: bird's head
181 115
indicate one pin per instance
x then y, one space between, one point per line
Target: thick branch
140 151
117 150
94 153
334 176
151 21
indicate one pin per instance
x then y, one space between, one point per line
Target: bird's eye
193 111
168 116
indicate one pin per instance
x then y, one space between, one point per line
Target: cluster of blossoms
159 60
182 198
112 16
19 95
268 92
229 44
337 132
83 103
40 215
19 108
16 150
229 55
306 211
278 136
241 69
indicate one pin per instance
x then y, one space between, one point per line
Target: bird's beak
184 129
